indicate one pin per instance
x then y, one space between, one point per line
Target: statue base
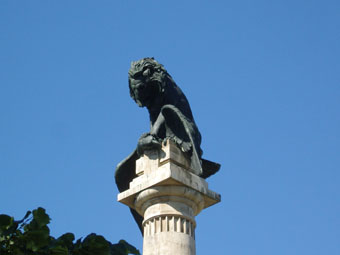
169 196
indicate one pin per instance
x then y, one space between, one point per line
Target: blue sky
263 81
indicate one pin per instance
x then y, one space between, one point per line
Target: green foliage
31 236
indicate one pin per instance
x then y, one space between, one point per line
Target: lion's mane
161 93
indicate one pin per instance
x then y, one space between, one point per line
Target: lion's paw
148 142
185 146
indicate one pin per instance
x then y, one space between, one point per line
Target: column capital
168 166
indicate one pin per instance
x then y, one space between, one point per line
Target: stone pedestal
168 195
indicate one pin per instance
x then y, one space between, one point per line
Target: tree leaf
66 240
33 238
37 239
95 244
5 222
131 249
58 250
28 213
41 217
123 248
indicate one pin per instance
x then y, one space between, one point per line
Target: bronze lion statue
151 86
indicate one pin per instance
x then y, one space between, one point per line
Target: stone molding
169 223
163 194
168 194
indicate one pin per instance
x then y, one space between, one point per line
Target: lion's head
147 81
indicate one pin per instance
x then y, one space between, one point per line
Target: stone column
168 195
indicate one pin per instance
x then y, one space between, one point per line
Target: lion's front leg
148 142
158 128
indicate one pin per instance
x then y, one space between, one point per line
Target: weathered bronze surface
171 118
